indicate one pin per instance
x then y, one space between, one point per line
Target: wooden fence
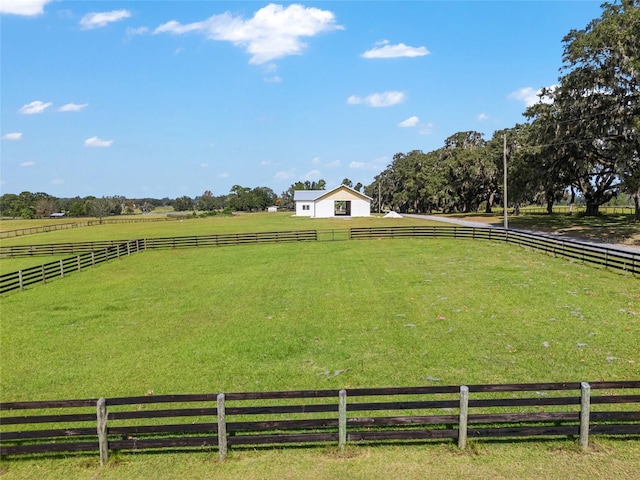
15 251
60 268
93 253
604 256
222 421
607 257
577 208
88 223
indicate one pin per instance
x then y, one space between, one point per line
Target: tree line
41 205
581 138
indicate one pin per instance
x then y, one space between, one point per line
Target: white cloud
482 117
97 142
273 32
28 164
57 181
131 32
265 163
102 19
530 96
395 51
12 136
286 175
27 8
72 107
204 165
274 79
385 99
317 161
34 107
223 175
426 129
375 165
410 122
313 175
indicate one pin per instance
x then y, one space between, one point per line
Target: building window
305 207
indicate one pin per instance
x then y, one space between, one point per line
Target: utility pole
504 162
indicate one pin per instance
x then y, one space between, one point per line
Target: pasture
321 315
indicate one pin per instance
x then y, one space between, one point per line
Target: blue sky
171 98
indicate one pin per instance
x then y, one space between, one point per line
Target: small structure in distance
341 201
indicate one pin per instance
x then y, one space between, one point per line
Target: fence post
79 264
222 428
129 249
102 430
61 269
93 258
585 403
464 416
44 275
342 418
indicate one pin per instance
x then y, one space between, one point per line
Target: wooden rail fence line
87 223
98 252
607 257
60 268
15 251
221 421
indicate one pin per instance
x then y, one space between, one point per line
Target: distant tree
101 207
24 204
9 205
358 186
183 204
262 198
147 207
76 209
347 182
240 198
206 202
45 207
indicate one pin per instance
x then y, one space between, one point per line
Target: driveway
467 223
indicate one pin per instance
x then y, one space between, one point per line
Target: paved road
467 223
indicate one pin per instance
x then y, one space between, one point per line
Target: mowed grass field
328 314
241 223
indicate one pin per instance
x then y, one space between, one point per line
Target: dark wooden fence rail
608 257
87 223
60 268
41 229
98 252
221 421
15 251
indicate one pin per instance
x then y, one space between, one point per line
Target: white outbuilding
342 201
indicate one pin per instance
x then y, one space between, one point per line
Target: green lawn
264 317
607 459
255 222
325 315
